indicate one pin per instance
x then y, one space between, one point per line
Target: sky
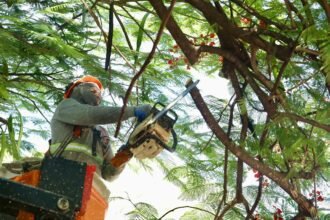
142 186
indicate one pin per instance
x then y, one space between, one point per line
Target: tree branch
144 66
33 102
187 48
326 6
277 177
268 105
184 207
257 200
214 17
291 7
229 206
306 6
3 121
305 120
255 13
97 22
225 166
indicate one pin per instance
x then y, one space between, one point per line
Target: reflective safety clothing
71 113
79 148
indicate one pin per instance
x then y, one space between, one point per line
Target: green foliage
47 44
143 211
3 146
140 35
320 36
196 215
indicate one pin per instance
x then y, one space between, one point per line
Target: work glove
122 157
141 112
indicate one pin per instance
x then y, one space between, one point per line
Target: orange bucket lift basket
61 189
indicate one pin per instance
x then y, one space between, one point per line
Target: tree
276 56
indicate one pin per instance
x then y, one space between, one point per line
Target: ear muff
84 79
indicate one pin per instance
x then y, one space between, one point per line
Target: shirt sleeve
109 172
72 112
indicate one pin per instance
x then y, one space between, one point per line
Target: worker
77 134
74 131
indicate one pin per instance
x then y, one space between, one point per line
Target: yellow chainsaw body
147 139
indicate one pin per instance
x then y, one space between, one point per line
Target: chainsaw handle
175 142
173 114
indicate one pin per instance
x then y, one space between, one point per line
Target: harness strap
96 137
80 148
77 131
56 150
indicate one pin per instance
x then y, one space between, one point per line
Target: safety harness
56 150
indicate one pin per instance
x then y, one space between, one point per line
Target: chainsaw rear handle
175 142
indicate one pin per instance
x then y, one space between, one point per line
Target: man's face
91 94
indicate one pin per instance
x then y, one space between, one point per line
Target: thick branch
187 48
277 177
263 97
244 119
214 17
326 6
280 74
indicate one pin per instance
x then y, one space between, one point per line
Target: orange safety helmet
84 79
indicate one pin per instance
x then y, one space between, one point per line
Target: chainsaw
153 134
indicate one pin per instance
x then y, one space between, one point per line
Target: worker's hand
141 112
122 157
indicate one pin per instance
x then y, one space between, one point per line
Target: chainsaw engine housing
149 139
